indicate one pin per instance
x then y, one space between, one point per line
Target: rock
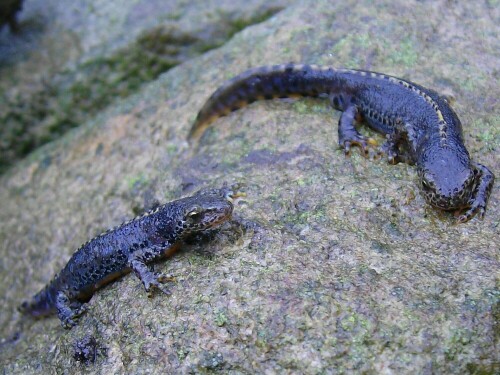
71 60
332 265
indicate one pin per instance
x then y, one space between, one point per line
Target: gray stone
333 264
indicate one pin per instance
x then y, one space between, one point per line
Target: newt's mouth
219 217
447 203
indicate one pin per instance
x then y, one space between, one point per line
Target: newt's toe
68 323
360 141
475 210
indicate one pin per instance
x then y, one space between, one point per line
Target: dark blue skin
127 247
420 126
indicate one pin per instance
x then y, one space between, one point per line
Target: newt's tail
42 304
268 82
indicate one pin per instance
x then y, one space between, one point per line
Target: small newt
420 126
129 246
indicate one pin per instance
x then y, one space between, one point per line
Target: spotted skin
130 246
420 126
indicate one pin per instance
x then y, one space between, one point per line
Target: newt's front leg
149 278
349 135
391 148
479 199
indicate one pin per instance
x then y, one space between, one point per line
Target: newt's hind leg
349 135
67 310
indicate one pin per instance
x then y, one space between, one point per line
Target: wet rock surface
332 264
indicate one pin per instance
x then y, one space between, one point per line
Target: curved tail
267 82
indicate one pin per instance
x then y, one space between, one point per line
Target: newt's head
204 210
447 179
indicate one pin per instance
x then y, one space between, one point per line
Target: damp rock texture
332 264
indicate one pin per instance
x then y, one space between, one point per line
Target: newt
420 126
129 247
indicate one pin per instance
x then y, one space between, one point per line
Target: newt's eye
427 181
426 184
194 213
